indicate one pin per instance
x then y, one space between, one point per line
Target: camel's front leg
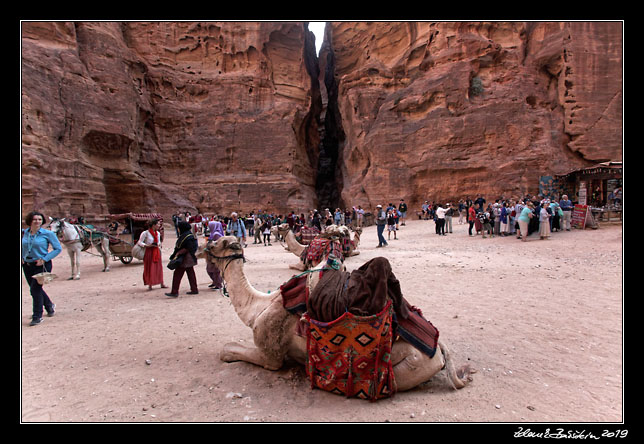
234 351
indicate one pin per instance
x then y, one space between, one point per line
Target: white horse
75 238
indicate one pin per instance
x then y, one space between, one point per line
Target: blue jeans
381 238
38 294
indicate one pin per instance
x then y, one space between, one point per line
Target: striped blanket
306 235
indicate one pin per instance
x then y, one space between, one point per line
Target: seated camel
274 328
340 233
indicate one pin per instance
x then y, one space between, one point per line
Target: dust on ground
540 322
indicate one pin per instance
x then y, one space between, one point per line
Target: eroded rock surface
443 110
215 117
167 116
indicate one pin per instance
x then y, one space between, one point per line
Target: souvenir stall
599 187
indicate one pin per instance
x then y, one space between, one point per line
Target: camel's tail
458 378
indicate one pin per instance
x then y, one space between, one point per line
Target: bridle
230 258
283 232
60 231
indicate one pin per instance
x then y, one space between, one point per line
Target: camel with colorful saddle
334 239
407 351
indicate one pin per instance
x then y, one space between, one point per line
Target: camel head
224 249
345 231
282 228
335 230
201 251
339 231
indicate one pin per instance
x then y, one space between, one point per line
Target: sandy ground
540 322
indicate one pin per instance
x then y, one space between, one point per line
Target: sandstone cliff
443 110
239 116
167 116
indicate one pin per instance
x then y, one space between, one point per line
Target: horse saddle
89 234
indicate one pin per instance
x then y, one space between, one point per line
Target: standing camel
75 238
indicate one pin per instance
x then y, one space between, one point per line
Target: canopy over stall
597 184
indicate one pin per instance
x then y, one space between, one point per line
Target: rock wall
214 117
440 111
209 117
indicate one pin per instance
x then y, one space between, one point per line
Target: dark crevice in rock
328 184
312 122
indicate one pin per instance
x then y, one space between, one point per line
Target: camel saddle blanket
307 234
295 292
365 292
351 355
320 248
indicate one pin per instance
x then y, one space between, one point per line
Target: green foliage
476 86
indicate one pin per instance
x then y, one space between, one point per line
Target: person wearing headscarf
216 230
185 246
152 267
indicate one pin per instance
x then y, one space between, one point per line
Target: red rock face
216 117
439 111
209 117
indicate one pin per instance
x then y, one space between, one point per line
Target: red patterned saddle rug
351 355
320 248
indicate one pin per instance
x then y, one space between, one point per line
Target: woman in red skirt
152 267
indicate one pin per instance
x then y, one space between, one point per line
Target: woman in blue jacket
36 258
